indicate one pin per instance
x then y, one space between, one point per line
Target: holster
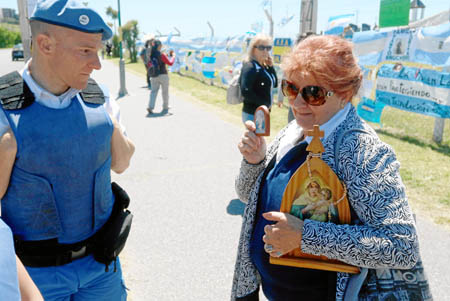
110 240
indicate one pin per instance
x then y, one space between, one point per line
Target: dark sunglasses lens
314 95
288 89
262 47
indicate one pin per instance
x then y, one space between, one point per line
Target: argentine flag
208 64
336 24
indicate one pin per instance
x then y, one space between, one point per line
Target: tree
115 46
113 14
8 38
130 33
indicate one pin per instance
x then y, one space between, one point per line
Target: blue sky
234 17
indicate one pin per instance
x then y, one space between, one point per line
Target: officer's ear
45 44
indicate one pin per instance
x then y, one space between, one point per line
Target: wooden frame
262 121
315 192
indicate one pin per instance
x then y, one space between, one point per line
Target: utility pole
212 30
123 90
308 16
25 10
269 17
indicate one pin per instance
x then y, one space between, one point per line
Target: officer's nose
95 63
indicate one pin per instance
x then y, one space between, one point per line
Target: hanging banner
399 48
281 46
370 110
405 68
336 24
394 13
414 89
208 69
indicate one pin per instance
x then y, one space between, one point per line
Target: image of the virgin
260 122
399 46
310 195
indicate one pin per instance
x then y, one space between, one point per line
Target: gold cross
316 132
315 146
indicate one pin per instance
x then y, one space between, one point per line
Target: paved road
181 182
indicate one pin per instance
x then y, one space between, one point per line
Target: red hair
329 59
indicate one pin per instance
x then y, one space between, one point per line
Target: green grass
425 165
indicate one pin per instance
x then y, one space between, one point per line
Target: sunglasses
262 47
313 95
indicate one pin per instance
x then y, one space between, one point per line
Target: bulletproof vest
15 94
60 185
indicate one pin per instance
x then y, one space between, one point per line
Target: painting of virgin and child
316 203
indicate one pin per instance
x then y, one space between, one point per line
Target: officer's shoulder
14 92
93 93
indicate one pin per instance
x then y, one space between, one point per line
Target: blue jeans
247 116
82 279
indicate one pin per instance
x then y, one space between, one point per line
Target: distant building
8 15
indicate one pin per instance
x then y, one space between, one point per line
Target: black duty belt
47 253
105 245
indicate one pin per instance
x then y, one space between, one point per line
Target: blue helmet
71 14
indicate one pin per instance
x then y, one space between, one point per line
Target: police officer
59 139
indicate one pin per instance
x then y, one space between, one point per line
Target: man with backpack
159 77
145 57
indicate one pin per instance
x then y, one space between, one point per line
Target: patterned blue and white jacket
386 236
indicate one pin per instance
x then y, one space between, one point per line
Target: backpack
153 67
234 95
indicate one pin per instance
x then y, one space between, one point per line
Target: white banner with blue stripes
414 89
407 68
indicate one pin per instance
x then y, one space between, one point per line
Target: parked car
17 52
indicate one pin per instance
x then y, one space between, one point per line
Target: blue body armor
60 185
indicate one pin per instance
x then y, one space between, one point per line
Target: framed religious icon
262 121
315 192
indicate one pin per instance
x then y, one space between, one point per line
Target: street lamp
123 89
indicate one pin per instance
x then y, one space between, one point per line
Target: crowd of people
61 135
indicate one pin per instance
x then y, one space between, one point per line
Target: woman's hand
269 61
252 147
284 236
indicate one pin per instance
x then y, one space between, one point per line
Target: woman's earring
343 104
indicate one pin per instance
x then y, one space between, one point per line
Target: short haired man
58 143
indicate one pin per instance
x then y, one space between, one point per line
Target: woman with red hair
322 77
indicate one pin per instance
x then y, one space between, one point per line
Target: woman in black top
258 76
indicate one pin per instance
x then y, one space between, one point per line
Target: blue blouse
283 282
